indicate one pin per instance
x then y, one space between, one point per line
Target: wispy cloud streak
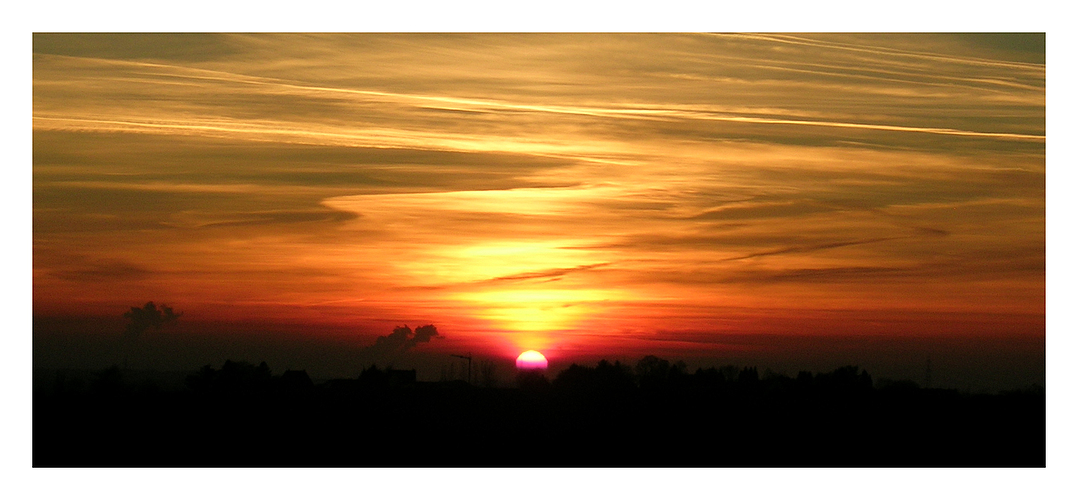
531 188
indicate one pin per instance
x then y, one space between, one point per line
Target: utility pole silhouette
469 358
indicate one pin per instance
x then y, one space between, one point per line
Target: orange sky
575 194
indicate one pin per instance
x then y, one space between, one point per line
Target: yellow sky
563 191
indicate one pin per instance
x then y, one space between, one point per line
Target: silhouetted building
401 377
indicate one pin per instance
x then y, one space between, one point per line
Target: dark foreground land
652 416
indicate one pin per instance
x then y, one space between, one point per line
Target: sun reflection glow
534 310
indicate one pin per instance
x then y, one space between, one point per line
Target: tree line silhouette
651 413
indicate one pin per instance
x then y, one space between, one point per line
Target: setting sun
531 360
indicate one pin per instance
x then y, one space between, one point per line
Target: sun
531 360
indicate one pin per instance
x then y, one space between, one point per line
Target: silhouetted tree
710 377
572 378
653 373
234 377
615 377
651 370
845 379
203 380
296 382
267 420
729 372
532 380
605 382
748 376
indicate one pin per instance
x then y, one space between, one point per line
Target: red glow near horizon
531 360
